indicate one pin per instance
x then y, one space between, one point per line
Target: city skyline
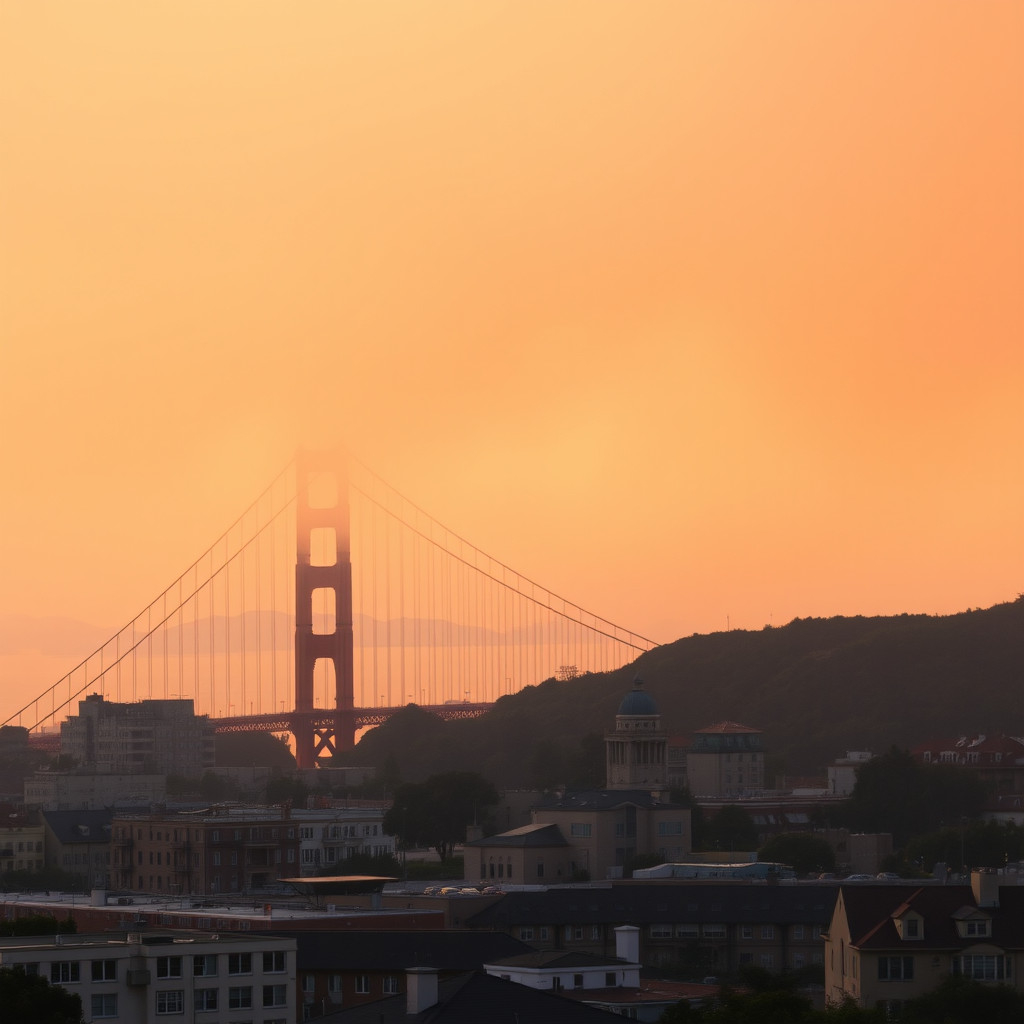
701 317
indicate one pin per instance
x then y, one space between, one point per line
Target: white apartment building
331 835
141 978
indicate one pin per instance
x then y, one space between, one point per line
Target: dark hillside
816 687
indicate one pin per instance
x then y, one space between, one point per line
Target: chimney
420 989
627 943
985 886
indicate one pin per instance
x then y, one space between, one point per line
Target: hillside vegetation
816 687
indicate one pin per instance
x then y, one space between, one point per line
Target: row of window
65 972
205 1000
980 967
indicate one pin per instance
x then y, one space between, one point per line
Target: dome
638 701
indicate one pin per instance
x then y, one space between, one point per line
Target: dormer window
978 929
910 926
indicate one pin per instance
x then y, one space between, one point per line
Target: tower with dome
636 751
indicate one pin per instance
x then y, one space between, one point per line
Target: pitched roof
80 826
550 959
727 727
600 800
871 911
527 836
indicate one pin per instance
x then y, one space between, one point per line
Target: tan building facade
726 760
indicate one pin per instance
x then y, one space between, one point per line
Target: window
205 1000
172 1001
687 931
714 931
334 986
275 995
798 932
913 926
239 963
544 933
768 961
896 968
168 966
63 972
104 970
240 997
767 931
577 981
362 984
983 967
661 931
274 962
609 979
579 829
747 932
670 828
104 1005
540 869
390 986
977 928
204 966
526 933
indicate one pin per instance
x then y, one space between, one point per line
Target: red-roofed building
998 758
726 760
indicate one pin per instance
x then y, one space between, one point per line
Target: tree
435 813
732 828
960 1000
894 793
802 851
30 997
38 924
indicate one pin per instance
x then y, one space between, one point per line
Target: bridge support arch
322 505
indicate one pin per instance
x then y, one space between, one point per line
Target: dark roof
653 903
80 826
527 836
599 800
870 910
638 701
476 997
400 950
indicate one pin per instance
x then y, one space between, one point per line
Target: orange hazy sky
697 313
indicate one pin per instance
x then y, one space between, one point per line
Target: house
998 759
143 977
887 945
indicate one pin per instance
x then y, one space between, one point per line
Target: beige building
597 834
726 760
21 847
887 944
92 791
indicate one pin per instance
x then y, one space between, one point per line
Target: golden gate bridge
330 603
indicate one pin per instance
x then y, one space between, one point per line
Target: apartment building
141 977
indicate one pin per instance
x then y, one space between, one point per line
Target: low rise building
22 845
143 977
726 760
78 842
80 789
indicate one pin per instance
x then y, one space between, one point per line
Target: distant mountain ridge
815 687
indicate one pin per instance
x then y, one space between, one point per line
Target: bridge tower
321 489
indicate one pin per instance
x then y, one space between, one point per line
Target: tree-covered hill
816 687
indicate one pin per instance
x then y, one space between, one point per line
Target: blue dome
638 701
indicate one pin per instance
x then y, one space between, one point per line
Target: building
885 945
998 759
143 977
79 789
347 967
842 773
597 833
151 736
22 843
696 928
726 760
78 842
329 836
223 850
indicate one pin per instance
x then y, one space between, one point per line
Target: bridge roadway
319 718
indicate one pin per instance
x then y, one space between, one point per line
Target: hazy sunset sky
696 313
